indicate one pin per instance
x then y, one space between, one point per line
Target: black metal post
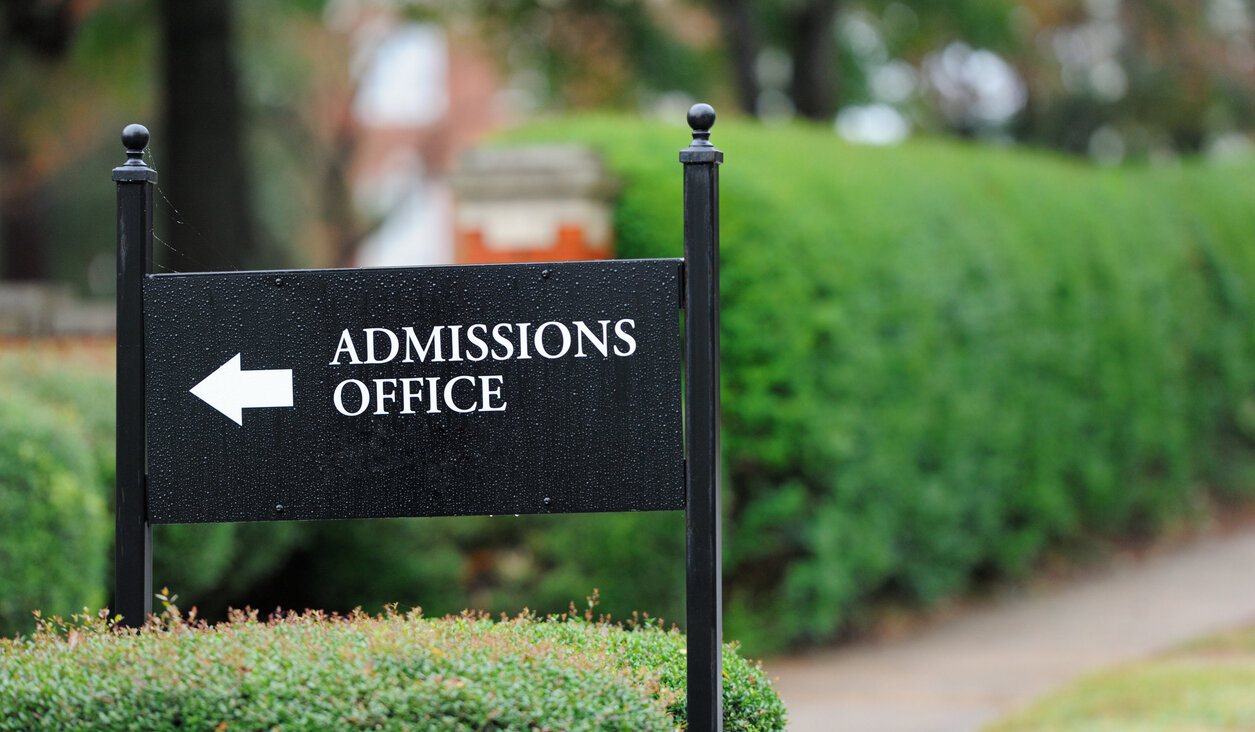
133 541
704 606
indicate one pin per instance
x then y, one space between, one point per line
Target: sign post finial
701 118
135 139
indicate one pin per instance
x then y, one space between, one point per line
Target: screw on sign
520 388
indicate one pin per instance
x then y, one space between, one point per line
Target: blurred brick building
426 98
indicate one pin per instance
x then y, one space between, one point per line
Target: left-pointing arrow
231 391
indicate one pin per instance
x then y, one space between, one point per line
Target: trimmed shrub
942 361
403 672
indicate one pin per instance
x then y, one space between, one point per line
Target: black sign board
435 391
533 388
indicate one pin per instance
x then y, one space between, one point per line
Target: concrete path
959 675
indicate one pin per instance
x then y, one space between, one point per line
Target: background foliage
250 103
56 502
53 467
942 364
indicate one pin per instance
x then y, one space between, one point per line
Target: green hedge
943 361
53 519
390 672
499 563
56 501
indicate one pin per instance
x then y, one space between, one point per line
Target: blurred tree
824 62
302 67
205 168
73 73
593 53
260 133
811 45
1115 79
1104 78
1099 77
34 35
805 28
743 39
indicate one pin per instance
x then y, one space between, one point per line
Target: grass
1205 685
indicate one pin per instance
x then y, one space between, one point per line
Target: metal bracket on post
133 541
704 594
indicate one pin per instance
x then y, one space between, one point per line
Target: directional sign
316 394
319 394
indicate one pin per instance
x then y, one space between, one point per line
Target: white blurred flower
976 86
872 124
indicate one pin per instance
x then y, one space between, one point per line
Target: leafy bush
53 540
315 672
941 362
73 385
498 563
56 499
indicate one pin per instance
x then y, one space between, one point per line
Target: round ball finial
135 138
701 119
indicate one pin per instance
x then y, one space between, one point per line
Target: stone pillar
537 203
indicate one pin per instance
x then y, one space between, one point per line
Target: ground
962 674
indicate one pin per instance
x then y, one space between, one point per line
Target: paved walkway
959 675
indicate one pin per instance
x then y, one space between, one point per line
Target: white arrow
231 391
